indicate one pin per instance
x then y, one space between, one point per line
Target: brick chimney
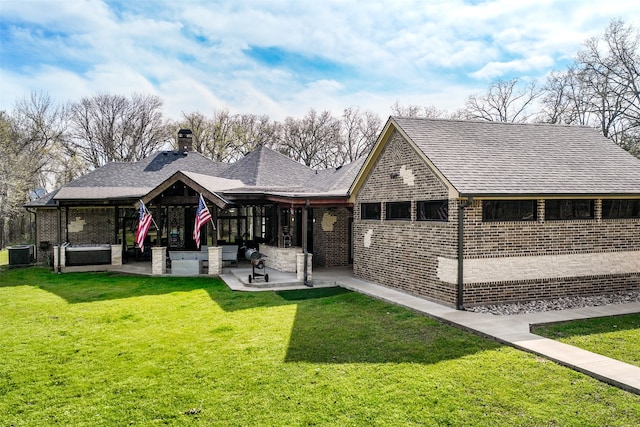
185 140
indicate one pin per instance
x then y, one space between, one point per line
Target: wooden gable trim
213 197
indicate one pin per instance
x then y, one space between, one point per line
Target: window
568 209
620 209
509 210
432 210
399 210
370 210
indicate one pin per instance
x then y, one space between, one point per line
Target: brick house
481 212
262 200
463 213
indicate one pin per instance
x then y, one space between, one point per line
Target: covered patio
296 217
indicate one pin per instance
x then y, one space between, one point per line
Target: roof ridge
491 122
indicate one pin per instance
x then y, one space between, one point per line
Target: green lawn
617 337
110 350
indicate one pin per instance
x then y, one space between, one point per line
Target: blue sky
283 57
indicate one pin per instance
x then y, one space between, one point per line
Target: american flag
144 223
202 216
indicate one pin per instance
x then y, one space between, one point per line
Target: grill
257 263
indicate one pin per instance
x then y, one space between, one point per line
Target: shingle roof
126 180
266 168
516 159
44 201
336 180
261 171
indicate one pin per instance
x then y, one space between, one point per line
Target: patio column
158 260
215 260
59 258
300 267
116 254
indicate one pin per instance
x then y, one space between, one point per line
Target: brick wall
91 225
496 292
331 241
522 238
47 231
404 254
84 225
572 241
407 254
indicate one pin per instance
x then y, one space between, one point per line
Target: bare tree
115 128
505 101
40 127
251 131
202 128
31 139
223 142
312 140
359 133
610 68
14 182
226 137
416 111
561 101
601 87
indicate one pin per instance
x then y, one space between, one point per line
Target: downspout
460 290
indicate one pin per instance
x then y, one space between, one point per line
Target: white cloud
523 67
194 55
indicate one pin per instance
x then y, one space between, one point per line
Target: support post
58 263
305 230
460 287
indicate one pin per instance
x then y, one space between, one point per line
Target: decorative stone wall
539 267
331 240
281 259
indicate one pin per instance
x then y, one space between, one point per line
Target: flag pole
147 211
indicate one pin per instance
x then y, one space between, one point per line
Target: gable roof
261 172
506 159
130 180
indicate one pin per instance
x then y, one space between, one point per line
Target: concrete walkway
512 330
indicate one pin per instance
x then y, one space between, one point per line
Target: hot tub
88 254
